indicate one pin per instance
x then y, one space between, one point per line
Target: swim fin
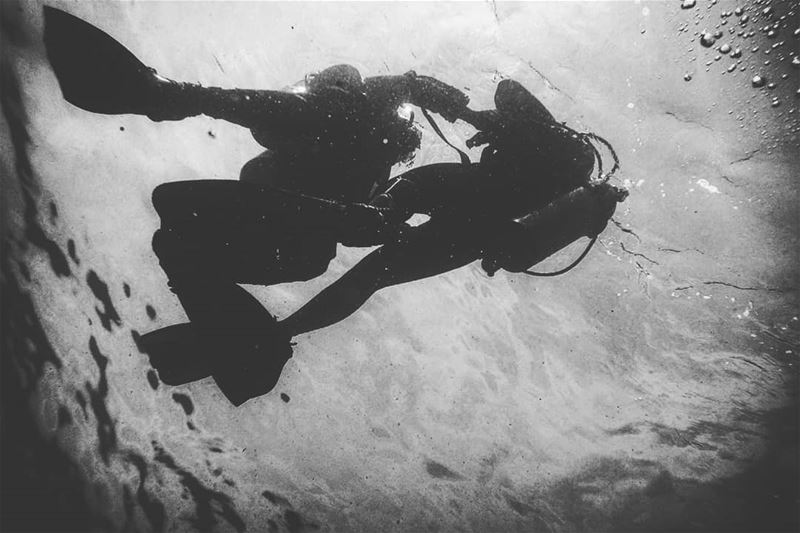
243 366
177 354
96 73
253 367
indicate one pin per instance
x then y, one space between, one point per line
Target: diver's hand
438 97
479 139
365 225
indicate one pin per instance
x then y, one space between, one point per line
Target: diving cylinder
583 212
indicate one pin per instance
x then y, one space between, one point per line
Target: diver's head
529 142
515 102
338 77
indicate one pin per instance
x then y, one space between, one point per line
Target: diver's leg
245 230
210 240
209 295
232 331
213 238
429 250
198 204
223 317
267 169
195 218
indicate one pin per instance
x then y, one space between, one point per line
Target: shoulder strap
464 157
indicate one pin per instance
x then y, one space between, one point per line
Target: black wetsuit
472 208
215 228
333 143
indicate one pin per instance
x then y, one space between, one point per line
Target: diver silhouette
324 178
329 147
530 195
331 140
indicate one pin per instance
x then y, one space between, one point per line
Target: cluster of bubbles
761 37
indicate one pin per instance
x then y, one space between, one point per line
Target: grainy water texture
654 387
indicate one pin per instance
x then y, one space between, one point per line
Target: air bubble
707 40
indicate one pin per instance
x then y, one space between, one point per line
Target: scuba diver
324 178
329 147
530 195
331 140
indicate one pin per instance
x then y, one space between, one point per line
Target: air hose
601 178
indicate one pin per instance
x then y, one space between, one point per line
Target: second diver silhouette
530 195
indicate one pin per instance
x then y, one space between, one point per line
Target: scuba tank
583 212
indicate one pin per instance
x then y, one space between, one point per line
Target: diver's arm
403 196
422 91
485 120
441 189
248 108
436 188
391 91
429 93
